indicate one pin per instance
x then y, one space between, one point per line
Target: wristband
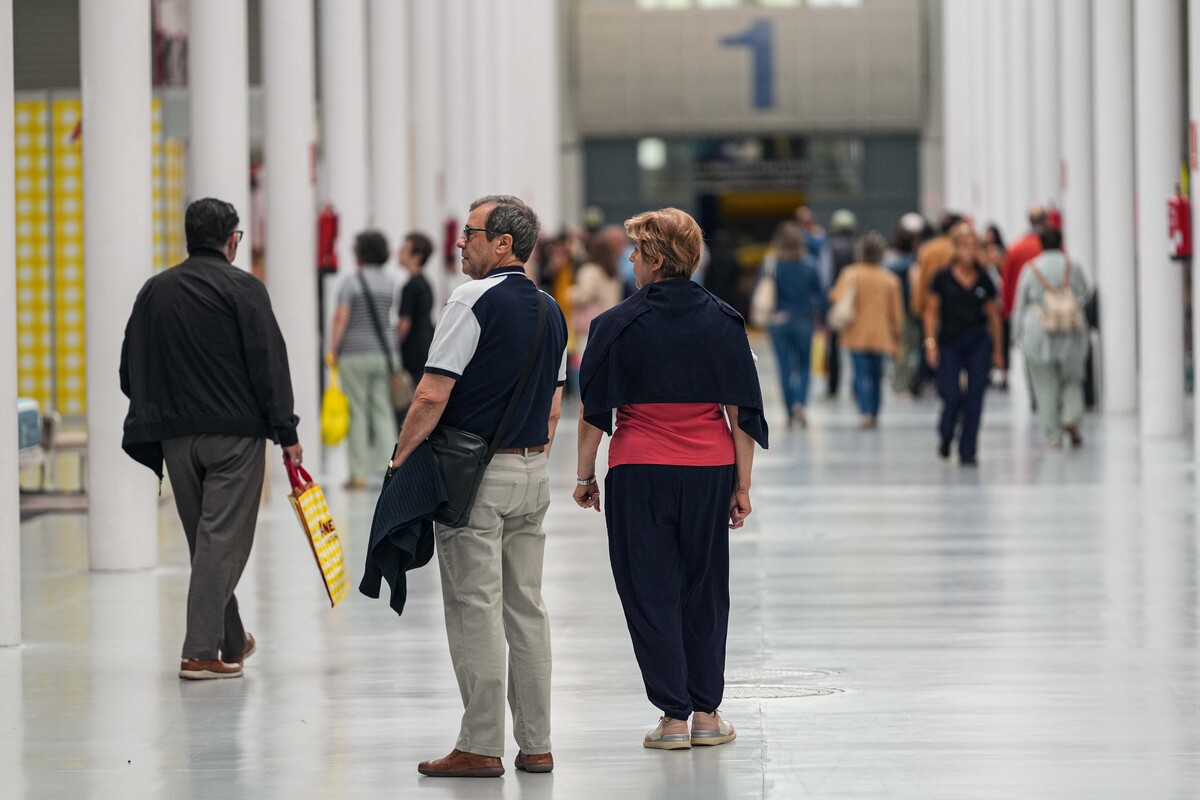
588 482
931 342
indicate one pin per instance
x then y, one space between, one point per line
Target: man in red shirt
1021 253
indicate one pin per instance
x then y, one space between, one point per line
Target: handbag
462 457
765 300
402 382
842 313
308 500
335 409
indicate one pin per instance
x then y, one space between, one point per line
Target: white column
484 73
1158 82
1116 273
540 19
1018 119
1043 25
1075 46
289 125
996 111
343 44
390 115
975 105
429 177
219 107
954 121
10 517
461 92
118 232
1193 40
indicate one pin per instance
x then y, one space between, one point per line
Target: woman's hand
739 508
588 496
931 356
998 360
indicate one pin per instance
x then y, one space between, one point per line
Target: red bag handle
297 475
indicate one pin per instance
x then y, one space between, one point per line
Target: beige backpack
1060 312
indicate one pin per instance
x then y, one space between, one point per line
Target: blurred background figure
874 331
901 262
991 255
414 330
932 257
598 287
361 349
724 270
962 330
840 254
801 302
1055 348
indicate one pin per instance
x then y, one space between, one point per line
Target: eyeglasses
239 235
466 232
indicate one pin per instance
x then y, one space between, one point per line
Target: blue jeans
793 351
868 380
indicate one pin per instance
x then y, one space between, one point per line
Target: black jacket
203 354
700 354
401 533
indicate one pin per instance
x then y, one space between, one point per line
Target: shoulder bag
402 382
842 313
462 457
764 302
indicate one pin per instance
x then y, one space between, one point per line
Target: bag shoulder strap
530 362
1041 278
387 350
1067 273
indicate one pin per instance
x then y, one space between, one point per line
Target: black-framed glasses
239 235
467 230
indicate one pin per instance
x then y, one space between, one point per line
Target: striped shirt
360 336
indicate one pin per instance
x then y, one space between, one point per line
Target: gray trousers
492 593
1058 389
217 482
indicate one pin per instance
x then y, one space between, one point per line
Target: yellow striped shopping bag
309 501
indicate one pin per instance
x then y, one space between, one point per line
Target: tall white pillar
343 45
10 516
1193 40
956 118
1116 256
1018 120
1075 45
219 107
1158 81
1043 24
289 127
429 177
544 192
997 165
461 150
489 161
390 116
975 104
118 248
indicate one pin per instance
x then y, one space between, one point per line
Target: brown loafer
247 651
534 762
203 669
462 765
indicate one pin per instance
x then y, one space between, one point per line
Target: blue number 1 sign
758 38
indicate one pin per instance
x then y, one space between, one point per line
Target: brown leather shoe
247 651
462 765
535 762
203 669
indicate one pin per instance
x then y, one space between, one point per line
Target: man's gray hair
513 216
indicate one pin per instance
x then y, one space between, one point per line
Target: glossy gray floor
902 627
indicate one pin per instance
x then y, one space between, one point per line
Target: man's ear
506 245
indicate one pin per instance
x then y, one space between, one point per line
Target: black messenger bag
462 457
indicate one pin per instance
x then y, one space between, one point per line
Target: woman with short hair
674 364
799 302
362 349
874 331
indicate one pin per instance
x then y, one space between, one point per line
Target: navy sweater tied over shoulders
672 342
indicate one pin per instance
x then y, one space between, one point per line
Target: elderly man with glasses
492 565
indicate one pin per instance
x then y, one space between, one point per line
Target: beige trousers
492 592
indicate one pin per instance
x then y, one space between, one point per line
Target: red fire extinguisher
327 231
1179 225
450 234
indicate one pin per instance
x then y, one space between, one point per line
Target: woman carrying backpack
1049 327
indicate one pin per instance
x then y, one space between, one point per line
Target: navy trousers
668 541
970 352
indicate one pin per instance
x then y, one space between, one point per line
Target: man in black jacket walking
205 368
